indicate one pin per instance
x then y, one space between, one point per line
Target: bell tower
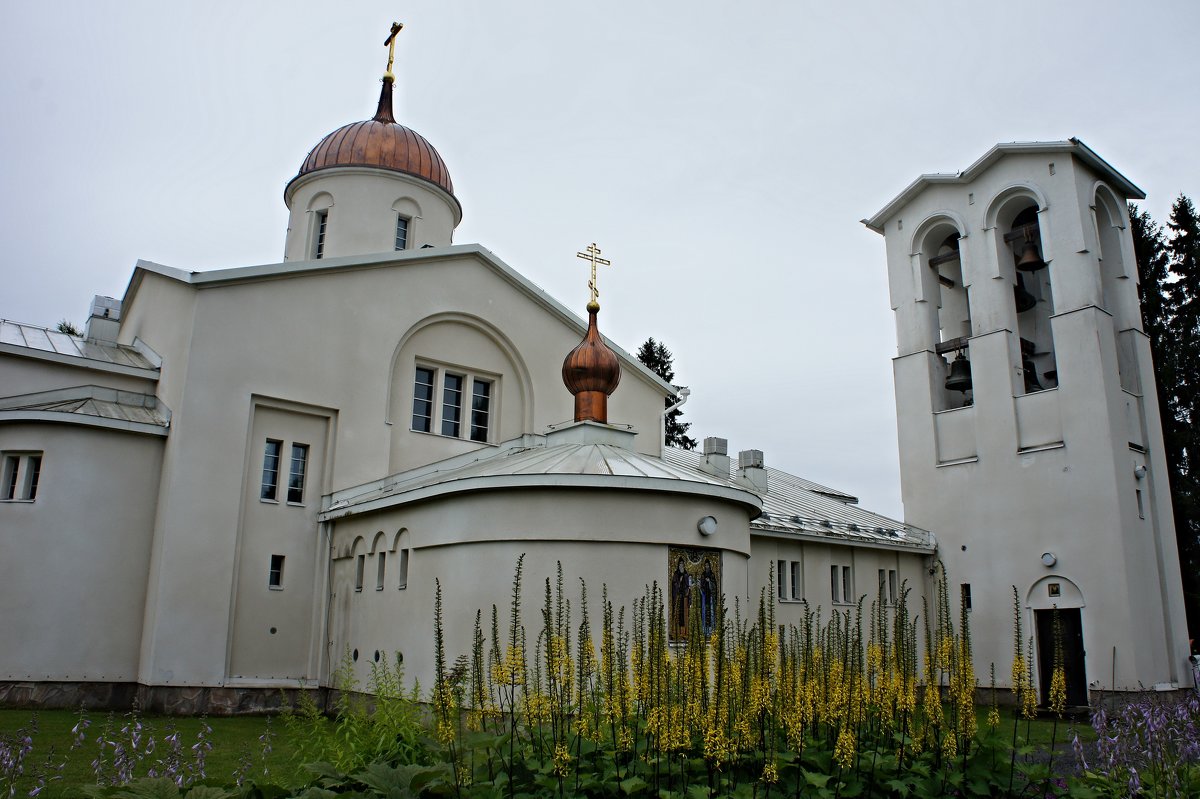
1030 441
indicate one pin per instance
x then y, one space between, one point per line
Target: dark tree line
1169 273
656 357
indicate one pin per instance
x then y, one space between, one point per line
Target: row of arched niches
1025 265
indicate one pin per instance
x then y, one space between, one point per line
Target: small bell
1025 300
959 378
1030 260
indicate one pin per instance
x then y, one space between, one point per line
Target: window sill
358 590
295 504
15 501
402 587
268 501
274 587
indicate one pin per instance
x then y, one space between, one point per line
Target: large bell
1024 299
1032 383
959 378
1030 260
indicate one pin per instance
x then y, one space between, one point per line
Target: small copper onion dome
591 372
383 143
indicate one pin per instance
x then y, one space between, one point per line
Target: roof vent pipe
751 469
716 457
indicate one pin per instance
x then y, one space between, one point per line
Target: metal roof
108 407
793 505
532 464
47 340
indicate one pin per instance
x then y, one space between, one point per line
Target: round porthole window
273 631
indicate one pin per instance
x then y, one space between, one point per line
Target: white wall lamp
1140 472
707 525
1049 559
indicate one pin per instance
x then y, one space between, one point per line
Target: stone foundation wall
165 699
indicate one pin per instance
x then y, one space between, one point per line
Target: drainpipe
684 393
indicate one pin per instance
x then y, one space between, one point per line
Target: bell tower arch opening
1033 295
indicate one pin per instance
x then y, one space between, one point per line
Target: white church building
209 497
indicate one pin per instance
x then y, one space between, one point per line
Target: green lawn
236 745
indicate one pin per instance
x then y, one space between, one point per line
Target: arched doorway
1057 605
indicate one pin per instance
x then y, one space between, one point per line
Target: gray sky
721 154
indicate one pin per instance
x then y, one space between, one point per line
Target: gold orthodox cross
592 253
390 41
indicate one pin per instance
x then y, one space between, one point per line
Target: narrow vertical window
781 579
401 233
422 415
965 590
275 575
12 469
481 402
34 467
452 391
893 588
296 473
847 589
359 567
379 571
835 582
322 222
403 568
795 575
270 472
1141 510
883 585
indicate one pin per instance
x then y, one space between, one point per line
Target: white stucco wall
75 560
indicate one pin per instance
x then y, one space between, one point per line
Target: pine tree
69 328
1169 276
1183 246
660 360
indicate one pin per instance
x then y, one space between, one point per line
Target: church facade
236 478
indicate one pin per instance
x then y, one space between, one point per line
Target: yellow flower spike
770 774
843 750
562 761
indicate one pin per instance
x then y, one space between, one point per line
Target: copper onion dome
382 143
591 372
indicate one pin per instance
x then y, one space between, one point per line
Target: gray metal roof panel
41 339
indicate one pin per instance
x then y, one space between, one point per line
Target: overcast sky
720 154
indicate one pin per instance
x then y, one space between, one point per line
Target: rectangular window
359 567
296 473
883 585
452 391
270 473
795 575
34 467
965 590
422 415
893 587
403 568
1141 510
847 588
12 471
379 571
275 576
781 579
401 233
835 583
481 403
322 222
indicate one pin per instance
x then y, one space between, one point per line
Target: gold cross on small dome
592 253
390 41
